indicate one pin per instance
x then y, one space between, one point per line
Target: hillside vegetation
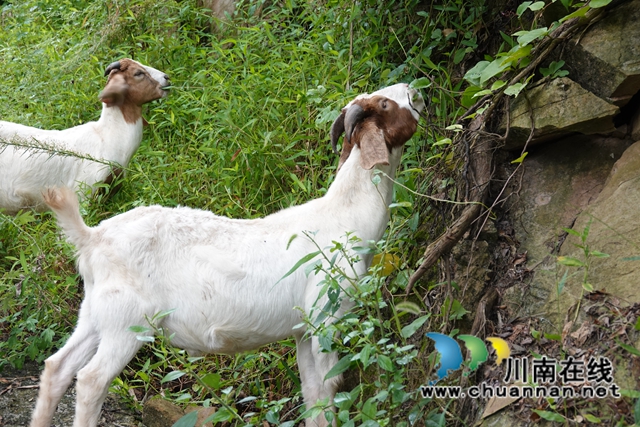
244 133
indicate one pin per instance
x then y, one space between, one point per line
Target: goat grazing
114 138
224 277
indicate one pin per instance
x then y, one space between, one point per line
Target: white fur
220 275
24 174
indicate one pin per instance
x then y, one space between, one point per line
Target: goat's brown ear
337 129
373 148
115 90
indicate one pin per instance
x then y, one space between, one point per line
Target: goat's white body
204 265
25 173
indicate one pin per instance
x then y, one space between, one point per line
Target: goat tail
64 203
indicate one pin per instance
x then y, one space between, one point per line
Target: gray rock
159 412
559 182
560 107
606 61
614 220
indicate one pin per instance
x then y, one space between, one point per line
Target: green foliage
588 256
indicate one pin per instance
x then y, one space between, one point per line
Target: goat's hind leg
60 369
114 352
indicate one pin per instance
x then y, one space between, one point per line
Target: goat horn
112 66
337 129
354 114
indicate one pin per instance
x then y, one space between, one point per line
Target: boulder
605 61
560 107
560 181
614 229
158 412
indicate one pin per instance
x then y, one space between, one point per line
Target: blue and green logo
451 353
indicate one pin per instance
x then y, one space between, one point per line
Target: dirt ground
18 393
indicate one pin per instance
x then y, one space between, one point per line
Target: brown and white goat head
377 123
131 83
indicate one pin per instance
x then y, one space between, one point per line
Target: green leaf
598 254
636 412
514 89
587 287
473 75
570 261
459 55
411 328
188 420
302 260
553 337
221 414
550 416
521 158
577 14
412 307
592 419
562 282
596 4
526 37
498 84
342 365
139 329
637 326
457 310
634 394
385 363
537 6
494 68
481 93
571 231
174 375
523 7
420 83
212 381
443 141
629 348
468 98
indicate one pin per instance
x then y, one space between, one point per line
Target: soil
19 390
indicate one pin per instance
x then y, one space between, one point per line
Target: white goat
222 275
25 174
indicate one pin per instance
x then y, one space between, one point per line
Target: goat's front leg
314 366
114 352
60 369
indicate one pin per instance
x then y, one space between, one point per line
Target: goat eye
138 73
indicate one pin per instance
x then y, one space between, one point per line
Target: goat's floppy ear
115 90
373 148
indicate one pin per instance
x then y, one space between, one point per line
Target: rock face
604 74
582 174
607 59
560 181
559 107
614 229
